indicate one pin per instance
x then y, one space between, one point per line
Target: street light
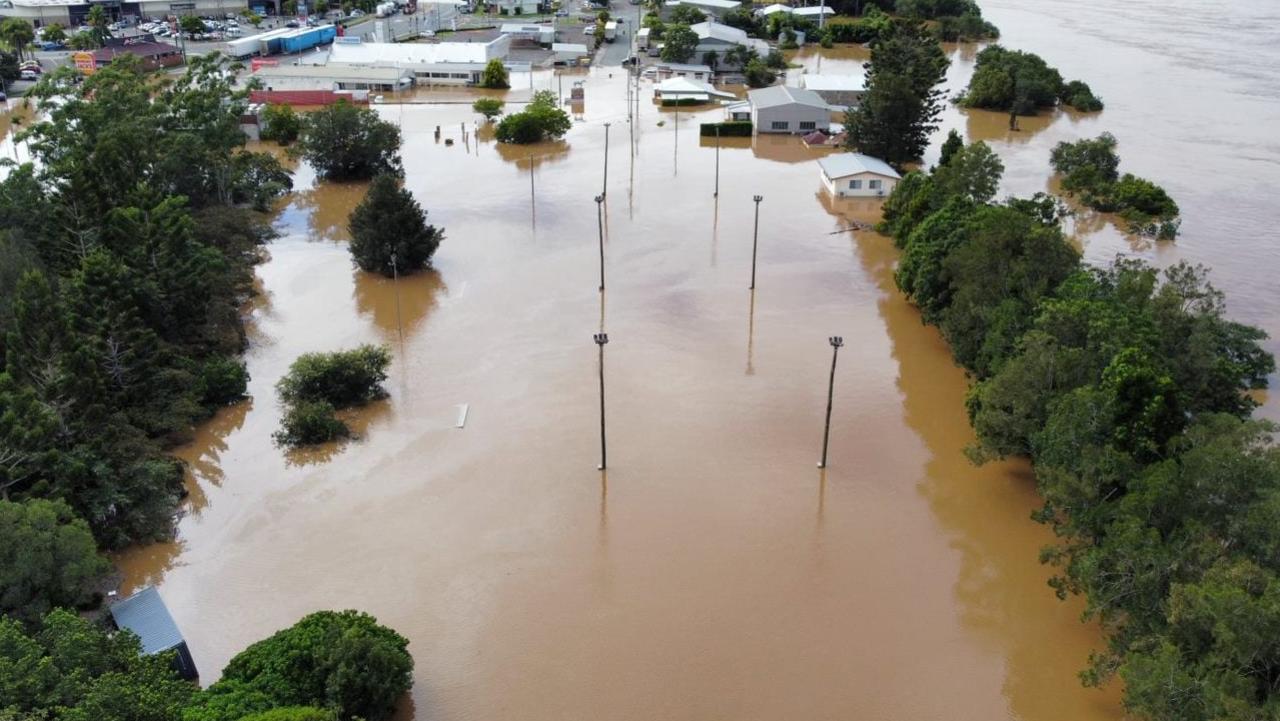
755 241
604 190
601 339
835 341
717 193
600 227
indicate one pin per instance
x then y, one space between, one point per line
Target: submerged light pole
835 341
755 241
717 193
604 188
601 339
600 227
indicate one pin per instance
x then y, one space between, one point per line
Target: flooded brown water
714 572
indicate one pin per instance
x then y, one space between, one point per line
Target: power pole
604 190
600 226
601 339
835 341
755 241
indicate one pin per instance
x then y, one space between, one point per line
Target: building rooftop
833 82
713 4
776 95
684 87
802 12
145 614
684 67
843 164
720 31
384 75
578 48
408 54
517 28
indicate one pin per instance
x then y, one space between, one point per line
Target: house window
808 125
780 125
873 184
855 185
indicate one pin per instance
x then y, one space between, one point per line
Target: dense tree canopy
347 142
389 230
542 119
1127 388
318 384
343 662
47 558
1020 83
900 109
679 43
1090 168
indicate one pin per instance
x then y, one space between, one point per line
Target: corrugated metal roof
145 614
839 166
715 4
834 82
720 31
776 95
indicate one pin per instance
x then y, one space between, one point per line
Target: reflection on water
711 575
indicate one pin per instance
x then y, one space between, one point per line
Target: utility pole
755 241
601 339
717 193
604 190
395 284
835 341
600 226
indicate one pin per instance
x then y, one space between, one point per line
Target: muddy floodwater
714 572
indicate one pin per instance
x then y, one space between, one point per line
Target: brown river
714 572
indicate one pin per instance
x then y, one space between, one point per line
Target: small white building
541 34
814 12
513 7
675 89
784 109
854 175
570 53
703 73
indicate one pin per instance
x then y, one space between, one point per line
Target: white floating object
462 414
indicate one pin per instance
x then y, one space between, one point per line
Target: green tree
758 75
47 558
389 230
98 21
543 119
953 144
190 24
490 108
902 104
55 33
347 142
687 15
17 33
342 378
341 661
679 43
495 75
972 173
309 423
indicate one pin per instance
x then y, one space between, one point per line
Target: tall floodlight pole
835 341
600 227
395 284
604 189
755 241
601 339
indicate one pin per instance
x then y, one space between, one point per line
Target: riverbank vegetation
318 384
1128 389
1090 168
389 230
543 119
1022 83
330 666
347 142
901 107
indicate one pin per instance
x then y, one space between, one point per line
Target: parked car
589 30
562 13
28 75
50 45
292 24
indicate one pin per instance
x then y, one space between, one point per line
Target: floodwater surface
713 572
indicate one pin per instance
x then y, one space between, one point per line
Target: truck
610 31
642 38
308 38
386 9
242 48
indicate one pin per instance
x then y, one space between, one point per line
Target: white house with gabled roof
854 175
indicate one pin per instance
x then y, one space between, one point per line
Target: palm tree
97 19
17 33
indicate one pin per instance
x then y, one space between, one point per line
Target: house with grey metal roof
843 91
718 38
145 614
856 175
784 109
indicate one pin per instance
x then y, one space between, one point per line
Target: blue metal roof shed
145 614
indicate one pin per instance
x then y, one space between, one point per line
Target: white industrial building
854 175
333 77
719 39
430 63
813 12
784 109
541 34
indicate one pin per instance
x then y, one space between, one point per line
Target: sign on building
84 62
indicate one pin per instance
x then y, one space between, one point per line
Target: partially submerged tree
490 108
543 119
347 142
389 231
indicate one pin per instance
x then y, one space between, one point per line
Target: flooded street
714 572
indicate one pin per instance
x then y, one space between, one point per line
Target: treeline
1022 83
128 248
330 666
1128 388
1091 169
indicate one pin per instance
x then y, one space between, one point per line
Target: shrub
281 124
543 119
341 378
495 75
389 231
1079 95
490 108
223 380
758 75
307 423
